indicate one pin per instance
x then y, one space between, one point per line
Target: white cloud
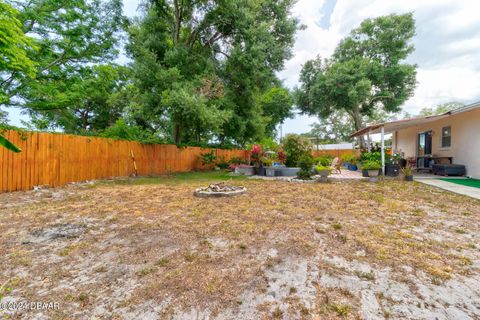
447 46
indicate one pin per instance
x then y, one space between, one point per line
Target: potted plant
268 165
323 172
392 167
373 167
352 163
408 173
256 155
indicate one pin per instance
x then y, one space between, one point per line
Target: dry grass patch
185 252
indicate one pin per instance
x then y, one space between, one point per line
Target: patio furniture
336 165
449 169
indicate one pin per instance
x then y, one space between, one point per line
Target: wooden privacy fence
56 159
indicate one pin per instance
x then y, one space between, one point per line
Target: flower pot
365 173
373 173
324 173
352 167
261 171
346 164
288 172
270 171
392 170
409 178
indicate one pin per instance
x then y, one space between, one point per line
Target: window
446 137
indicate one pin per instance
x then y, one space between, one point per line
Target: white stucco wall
465 141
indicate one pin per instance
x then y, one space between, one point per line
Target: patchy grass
183 253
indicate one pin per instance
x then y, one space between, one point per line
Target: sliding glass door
424 144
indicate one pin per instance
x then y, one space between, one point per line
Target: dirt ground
151 250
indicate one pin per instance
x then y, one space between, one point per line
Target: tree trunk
177 133
357 120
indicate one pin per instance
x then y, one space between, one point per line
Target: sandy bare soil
350 250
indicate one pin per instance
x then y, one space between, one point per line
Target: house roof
396 125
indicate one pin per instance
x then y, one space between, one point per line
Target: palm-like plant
7 144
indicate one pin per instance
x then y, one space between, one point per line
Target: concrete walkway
453 187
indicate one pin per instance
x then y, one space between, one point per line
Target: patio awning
392 126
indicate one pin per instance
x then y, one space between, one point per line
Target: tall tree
94 99
68 35
14 61
336 128
366 73
201 67
441 108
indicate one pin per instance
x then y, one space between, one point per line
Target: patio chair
336 165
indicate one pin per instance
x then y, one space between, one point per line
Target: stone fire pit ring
219 190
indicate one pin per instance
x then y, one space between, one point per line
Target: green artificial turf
464 182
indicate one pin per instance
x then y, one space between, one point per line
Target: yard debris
219 189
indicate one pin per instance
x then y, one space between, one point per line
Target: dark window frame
446 140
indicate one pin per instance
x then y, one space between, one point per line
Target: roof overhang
393 126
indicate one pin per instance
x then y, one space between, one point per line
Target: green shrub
324 160
208 158
350 158
371 165
305 163
122 130
295 146
375 156
236 160
321 168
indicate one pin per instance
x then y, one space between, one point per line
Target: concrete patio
433 180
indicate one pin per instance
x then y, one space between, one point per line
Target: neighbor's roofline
413 121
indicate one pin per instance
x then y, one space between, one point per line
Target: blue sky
447 46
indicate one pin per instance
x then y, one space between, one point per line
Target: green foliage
122 131
371 165
191 115
305 162
8 145
207 70
365 74
14 48
222 164
267 144
267 161
236 160
295 146
277 105
335 128
69 35
407 171
350 158
322 168
208 158
94 100
371 156
442 108
325 160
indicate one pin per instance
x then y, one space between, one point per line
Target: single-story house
454 135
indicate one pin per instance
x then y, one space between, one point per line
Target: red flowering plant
256 154
281 156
